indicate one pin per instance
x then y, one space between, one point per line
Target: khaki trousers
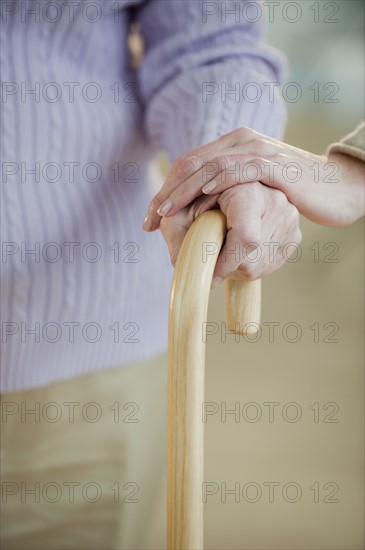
83 462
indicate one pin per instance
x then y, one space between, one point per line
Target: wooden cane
186 357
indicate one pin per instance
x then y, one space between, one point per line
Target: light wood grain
186 356
243 306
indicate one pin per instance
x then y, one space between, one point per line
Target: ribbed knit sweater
83 287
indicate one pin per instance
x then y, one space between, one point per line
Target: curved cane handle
186 356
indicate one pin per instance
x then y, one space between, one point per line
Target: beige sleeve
352 145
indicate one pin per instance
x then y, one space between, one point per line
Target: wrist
351 176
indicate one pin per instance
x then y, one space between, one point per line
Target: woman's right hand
327 190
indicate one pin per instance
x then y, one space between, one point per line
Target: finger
215 176
243 210
224 168
280 231
204 203
181 170
174 228
281 218
237 259
240 169
174 241
240 140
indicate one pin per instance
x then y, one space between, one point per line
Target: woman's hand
327 190
262 230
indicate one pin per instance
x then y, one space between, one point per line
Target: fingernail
147 223
209 187
164 208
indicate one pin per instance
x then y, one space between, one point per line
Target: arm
193 76
195 81
327 189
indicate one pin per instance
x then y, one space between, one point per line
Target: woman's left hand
262 230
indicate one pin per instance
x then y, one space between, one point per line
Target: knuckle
185 166
256 143
156 201
280 200
248 271
243 133
221 161
248 238
230 265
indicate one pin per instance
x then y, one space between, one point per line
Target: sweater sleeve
204 74
353 144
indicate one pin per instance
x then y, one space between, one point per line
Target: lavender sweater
83 288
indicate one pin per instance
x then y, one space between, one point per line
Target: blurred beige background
318 460
306 372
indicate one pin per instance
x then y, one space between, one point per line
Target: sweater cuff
196 107
352 145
